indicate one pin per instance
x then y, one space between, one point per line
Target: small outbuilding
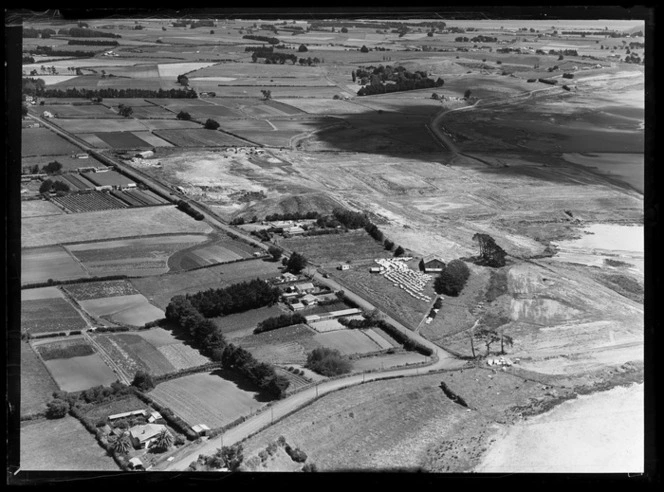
343 266
201 429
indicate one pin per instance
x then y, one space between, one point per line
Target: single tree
302 48
53 167
275 252
452 278
125 111
143 381
183 115
163 441
232 456
399 251
122 444
364 49
343 30
296 263
267 94
467 94
210 124
389 245
56 408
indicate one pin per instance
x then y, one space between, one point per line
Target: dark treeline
408 85
264 39
27 59
266 49
210 341
279 322
373 80
189 210
271 57
29 32
201 23
292 216
48 51
100 42
234 299
110 93
350 219
81 32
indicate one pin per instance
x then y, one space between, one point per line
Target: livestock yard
465 198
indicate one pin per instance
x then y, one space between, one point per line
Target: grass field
199 137
123 404
37 208
160 289
69 163
133 309
288 345
50 315
348 342
122 140
37 385
80 373
80 111
336 248
108 224
41 141
242 324
53 262
43 442
207 398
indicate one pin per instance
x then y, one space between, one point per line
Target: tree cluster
143 381
189 210
82 32
183 115
52 167
296 263
49 186
124 110
62 401
183 79
327 362
264 39
452 279
490 253
274 58
211 124
279 322
29 32
262 374
266 49
201 23
27 59
350 219
205 334
110 93
235 298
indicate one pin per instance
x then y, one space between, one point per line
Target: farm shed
135 463
433 264
374 269
337 314
297 306
142 435
153 417
146 154
111 178
305 288
343 266
201 429
313 317
309 299
122 415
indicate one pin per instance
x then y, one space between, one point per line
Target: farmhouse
305 288
309 299
432 264
142 435
111 179
343 266
123 415
297 306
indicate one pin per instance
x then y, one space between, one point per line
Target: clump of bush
296 454
327 362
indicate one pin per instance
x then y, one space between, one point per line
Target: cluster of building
305 295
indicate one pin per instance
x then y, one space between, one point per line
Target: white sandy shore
598 433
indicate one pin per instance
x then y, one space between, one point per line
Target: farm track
107 359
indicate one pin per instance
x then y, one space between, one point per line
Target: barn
432 264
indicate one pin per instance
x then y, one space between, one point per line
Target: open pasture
123 140
160 289
132 353
50 315
41 141
207 398
288 345
134 309
43 442
208 255
270 138
108 224
203 112
258 70
37 385
95 111
53 262
324 106
243 324
80 373
348 342
78 125
38 208
334 248
199 137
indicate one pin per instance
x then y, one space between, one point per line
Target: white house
143 435
343 266
305 288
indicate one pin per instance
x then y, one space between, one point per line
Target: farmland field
50 315
95 290
199 137
133 310
69 164
206 398
80 111
160 289
135 257
123 140
122 404
37 385
323 106
43 442
348 342
386 361
41 141
108 224
335 248
37 208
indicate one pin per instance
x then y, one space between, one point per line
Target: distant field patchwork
49 315
52 262
133 310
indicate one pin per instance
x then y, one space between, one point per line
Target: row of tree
292 216
49 51
189 210
83 32
264 39
407 85
110 93
29 32
280 321
274 58
88 42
